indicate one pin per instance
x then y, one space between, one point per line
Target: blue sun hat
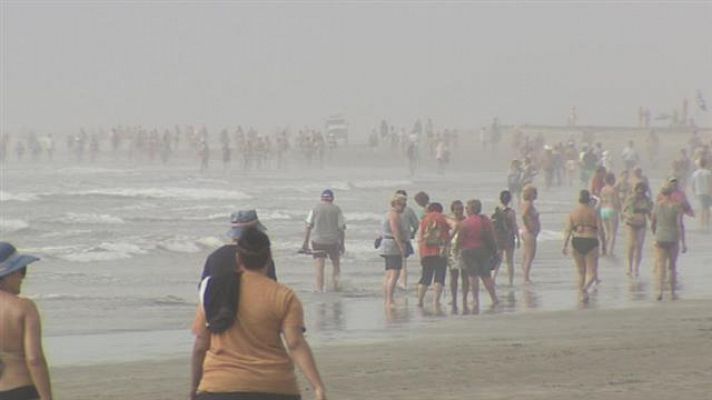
241 220
11 260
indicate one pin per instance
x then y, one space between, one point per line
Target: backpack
502 228
432 235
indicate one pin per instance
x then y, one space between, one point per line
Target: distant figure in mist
630 156
23 369
326 229
701 185
203 154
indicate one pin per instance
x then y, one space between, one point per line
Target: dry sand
658 352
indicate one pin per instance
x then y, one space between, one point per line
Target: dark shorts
21 393
247 396
321 250
433 267
393 262
705 200
476 262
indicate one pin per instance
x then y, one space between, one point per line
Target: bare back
14 314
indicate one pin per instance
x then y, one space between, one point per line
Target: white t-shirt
701 182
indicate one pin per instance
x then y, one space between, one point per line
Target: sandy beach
657 352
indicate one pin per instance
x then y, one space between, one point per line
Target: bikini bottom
584 245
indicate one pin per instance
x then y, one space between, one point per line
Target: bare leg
581 276
631 248
403 275
389 286
465 291
421 294
475 287
591 262
489 285
675 252
661 261
529 254
640 240
336 273
319 265
611 237
509 253
438 292
454 275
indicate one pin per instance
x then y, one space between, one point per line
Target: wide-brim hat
11 260
242 220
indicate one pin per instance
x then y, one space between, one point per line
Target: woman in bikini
610 208
636 212
530 230
623 186
666 224
583 229
23 370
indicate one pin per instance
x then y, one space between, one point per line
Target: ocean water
123 245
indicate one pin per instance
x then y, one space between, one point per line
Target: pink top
473 230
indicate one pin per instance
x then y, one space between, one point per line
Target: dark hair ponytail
221 290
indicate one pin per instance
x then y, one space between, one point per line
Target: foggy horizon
70 65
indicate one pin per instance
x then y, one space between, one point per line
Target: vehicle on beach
337 128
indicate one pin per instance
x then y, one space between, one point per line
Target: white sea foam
24 197
210 241
90 218
363 216
94 256
179 246
381 183
168 193
12 225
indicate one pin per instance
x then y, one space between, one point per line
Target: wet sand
658 352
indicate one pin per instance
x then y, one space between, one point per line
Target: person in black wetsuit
583 229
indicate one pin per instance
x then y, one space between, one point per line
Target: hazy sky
72 64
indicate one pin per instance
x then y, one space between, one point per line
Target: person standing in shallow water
392 248
454 259
530 229
411 220
326 229
23 369
610 209
583 228
666 224
433 237
506 234
477 246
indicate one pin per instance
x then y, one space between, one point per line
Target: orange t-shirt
250 355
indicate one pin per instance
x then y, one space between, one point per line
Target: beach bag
377 242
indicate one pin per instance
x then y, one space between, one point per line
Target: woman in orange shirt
433 237
244 315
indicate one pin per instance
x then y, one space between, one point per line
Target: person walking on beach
636 211
393 249
477 247
249 333
433 237
610 207
630 156
410 218
506 234
327 229
23 369
530 229
666 225
701 185
583 228
514 179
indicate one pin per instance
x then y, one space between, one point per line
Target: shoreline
652 352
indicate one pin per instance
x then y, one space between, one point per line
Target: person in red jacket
433 239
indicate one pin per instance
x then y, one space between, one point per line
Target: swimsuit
584 245
608 213
20 393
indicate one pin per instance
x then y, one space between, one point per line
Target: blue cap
327 194
242 220
11 260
